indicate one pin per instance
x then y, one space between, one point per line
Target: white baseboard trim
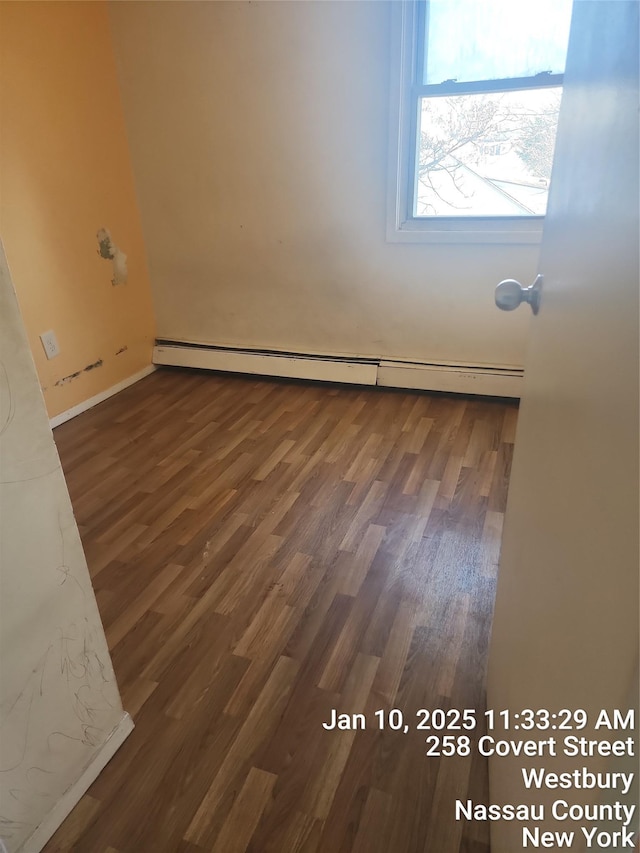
73 794
485 380
103 395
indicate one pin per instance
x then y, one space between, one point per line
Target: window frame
406 92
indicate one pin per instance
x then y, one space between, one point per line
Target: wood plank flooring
266 552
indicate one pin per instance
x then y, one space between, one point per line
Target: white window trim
401 227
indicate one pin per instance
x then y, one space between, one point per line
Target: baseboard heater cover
484 381
461 379
267 364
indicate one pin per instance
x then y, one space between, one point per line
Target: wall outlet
50 344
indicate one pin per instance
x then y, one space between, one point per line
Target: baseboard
103 395
73 794
485 380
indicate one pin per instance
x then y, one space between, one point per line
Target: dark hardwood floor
265 552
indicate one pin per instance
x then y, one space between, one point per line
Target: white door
565 632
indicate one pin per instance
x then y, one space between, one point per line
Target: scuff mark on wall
108 250
66 379
122 349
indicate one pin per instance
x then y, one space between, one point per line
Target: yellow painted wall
259 138
65 172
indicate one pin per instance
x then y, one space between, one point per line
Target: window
475 112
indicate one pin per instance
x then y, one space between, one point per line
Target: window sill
442 230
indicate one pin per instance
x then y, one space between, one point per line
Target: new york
593 837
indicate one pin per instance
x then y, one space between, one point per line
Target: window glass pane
486 154
470 40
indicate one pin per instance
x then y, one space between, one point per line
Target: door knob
510 293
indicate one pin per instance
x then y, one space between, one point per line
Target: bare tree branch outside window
471 146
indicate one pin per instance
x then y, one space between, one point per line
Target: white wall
59 701
258 133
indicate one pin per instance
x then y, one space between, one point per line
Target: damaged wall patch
66 379
108 250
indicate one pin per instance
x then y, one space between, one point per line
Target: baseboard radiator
462 379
